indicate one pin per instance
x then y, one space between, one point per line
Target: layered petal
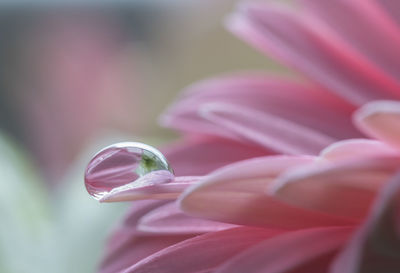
236 194
146 187
136 248
169 219
344 188
201 155
202 253
151 226
127 245
356 148
266 130
307 207
307 44
381 120
376 246
263 98
290 252
349 19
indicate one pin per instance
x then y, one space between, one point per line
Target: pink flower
336 212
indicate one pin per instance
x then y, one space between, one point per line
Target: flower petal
199 156
381 120
279 99
350 18
201 253
376 246
392 7
266 130
289 252
127 245
169 219
304 42
150 189
235 194
353 148
344 188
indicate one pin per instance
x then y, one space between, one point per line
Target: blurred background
76 76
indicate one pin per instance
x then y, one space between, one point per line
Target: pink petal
266 130
202 253
169 219
307 44
236 194
147 187
289 252
136 248
127 245
381 120
344 188
199 156
350 18
376 246
356 148
279 99
392 7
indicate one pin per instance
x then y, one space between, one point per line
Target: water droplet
121 165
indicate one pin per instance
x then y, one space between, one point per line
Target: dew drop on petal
122 164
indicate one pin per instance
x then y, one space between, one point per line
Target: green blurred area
43 232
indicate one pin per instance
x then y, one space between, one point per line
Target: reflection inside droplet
122 164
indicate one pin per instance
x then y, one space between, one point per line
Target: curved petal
353 148
350 18
289 252
148 189
136 248
279 99
169 219
236 194
202 253
266 130
344 188
307 44
376 246
201 155
127 246
381 120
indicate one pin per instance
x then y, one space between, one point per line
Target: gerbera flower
281 213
